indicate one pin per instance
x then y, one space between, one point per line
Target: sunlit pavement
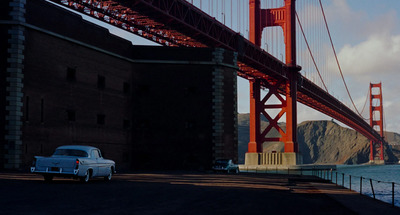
182 193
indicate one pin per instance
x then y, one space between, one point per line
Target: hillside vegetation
320 142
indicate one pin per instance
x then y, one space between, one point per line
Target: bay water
380 180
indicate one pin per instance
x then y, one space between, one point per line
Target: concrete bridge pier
273 158
377 162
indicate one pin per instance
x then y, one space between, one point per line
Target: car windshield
71 152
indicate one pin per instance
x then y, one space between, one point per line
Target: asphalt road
167 193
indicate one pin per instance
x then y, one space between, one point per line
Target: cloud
347 21
355 25
369 51
378 54
375 60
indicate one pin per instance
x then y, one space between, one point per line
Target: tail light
34 162
76 170
77 164
33 167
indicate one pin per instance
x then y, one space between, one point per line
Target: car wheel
48 178
86 178
109 176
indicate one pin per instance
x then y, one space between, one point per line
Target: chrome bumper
60 172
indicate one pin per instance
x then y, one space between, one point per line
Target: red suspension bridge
238 25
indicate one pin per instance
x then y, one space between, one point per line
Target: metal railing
282 171
376 189
369 188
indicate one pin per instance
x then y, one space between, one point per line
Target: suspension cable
365 103
337 61
309 50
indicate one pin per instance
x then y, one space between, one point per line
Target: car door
96 165
102 165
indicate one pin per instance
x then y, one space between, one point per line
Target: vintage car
225 165
78 162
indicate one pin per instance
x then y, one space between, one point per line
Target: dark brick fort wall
5 9
174 109
144 107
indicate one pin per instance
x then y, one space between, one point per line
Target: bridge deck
179 23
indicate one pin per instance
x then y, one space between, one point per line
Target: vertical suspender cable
216 10
212 6
274 35
240 8
337 61
312 57
238 17
224 17
247 20
278 41
366 99
307 57
209 7
302 44
231 15
242 20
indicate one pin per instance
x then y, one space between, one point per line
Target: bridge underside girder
179 23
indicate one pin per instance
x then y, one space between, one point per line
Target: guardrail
343 179
377 189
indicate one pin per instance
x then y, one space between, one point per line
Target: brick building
68 81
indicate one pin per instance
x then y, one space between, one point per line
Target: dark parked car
225 165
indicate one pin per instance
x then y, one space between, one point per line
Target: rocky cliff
320 142
394 141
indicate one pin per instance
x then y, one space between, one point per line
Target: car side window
95 154
98 151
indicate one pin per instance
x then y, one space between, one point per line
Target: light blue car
79 162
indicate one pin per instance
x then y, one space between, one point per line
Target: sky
366 35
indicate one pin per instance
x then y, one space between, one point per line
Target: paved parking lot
170 193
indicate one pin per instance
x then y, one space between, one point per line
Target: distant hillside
394 141
392 138
321 142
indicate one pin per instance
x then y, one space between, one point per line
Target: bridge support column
376 122
259 19
255 145
291 114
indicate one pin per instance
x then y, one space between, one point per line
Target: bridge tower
376 121
259 19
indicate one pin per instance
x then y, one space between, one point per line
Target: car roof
78 147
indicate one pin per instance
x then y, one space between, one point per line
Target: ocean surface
382 177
